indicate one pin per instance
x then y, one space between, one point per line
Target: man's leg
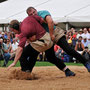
50 54
70 51
28 58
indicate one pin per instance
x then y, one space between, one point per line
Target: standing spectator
79 33
85 34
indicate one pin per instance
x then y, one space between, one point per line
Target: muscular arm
50 25
18 54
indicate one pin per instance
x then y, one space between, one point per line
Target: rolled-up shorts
58 33
43 43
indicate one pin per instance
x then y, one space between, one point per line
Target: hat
80 30
69 41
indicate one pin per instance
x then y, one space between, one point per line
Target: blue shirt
43 14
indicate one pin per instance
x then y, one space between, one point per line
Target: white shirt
14 46
86 35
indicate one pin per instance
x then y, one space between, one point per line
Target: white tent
61 10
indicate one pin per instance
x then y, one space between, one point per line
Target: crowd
77 39
8 46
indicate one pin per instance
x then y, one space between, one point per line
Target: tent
72 11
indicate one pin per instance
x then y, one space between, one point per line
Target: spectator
84 41
86 53
14 47
5 35
79 33
2 35
5 40
70 34
74 40
58 52
56 47
89 43
79 46
66 56
80 38
85 34
6 49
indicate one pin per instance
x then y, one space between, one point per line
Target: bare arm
18 54
76 47
82 46
50 26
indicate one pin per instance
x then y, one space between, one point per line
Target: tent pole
67 26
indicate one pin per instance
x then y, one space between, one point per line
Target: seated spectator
85 33
79 46
5 51
5 40
58 52
56 47
14 47
86 53
80 38
70 43
89 44
67 57
1 50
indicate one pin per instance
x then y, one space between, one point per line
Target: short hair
14 24
29 8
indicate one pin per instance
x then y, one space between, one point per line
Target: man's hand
33 38
11 65
52 37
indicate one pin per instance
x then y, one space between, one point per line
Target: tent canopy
61 10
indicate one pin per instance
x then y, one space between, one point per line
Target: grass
39 63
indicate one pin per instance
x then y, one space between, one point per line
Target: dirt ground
45 78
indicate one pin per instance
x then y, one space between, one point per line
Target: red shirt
56 47
29 27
